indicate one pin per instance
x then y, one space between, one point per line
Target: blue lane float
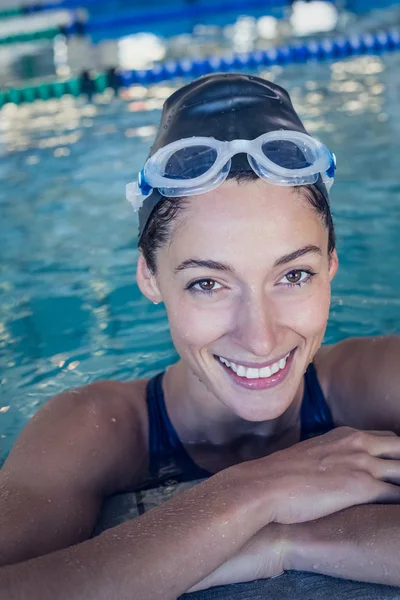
327 49
317 51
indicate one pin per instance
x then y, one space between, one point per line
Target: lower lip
263 383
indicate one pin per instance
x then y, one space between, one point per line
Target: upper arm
81 446
361 380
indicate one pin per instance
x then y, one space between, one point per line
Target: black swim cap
225 106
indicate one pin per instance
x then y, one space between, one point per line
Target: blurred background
82 84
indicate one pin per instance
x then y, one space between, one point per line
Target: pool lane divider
10 13
315 51
137 18
193 11
31 36
140 16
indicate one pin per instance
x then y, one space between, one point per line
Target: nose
257 326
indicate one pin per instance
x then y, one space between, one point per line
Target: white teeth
275 368
253 373
265 372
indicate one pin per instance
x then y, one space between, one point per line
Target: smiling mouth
254 372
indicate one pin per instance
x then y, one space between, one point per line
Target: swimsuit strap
165 448
167 455
315 414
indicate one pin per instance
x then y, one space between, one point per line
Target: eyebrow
297 254
213 265
205 264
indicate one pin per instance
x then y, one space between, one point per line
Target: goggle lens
190 162
288 154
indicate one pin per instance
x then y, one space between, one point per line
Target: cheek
195 326
308 314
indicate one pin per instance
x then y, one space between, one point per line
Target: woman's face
246 284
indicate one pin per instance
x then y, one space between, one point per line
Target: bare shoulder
81 446
360 378
96 426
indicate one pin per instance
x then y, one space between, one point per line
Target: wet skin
270 289
255 302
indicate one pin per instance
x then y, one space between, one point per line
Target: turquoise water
70 311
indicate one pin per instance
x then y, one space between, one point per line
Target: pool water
70 311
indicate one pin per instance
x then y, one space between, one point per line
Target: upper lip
252 364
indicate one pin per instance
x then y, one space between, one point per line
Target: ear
147 281
333 264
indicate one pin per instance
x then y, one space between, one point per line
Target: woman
241 249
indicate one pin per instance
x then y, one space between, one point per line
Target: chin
258 409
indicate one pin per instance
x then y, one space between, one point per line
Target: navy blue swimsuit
168 458
171 470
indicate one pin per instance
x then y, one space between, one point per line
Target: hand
323 475
264 556
360 542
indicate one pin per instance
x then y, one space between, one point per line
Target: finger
383 446
383 433
385 470
390 494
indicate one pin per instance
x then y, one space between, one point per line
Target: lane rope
140 17
135 19
317 51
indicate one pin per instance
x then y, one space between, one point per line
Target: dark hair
158 228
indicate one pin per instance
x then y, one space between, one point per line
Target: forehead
250 220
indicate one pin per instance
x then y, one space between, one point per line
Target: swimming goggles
197 165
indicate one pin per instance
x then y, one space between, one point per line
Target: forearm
161 554
262 557
360 543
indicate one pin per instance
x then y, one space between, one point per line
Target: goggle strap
332 167
135 196
145 187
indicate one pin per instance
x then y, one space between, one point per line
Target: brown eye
207 284
204 286
297 277
294 276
